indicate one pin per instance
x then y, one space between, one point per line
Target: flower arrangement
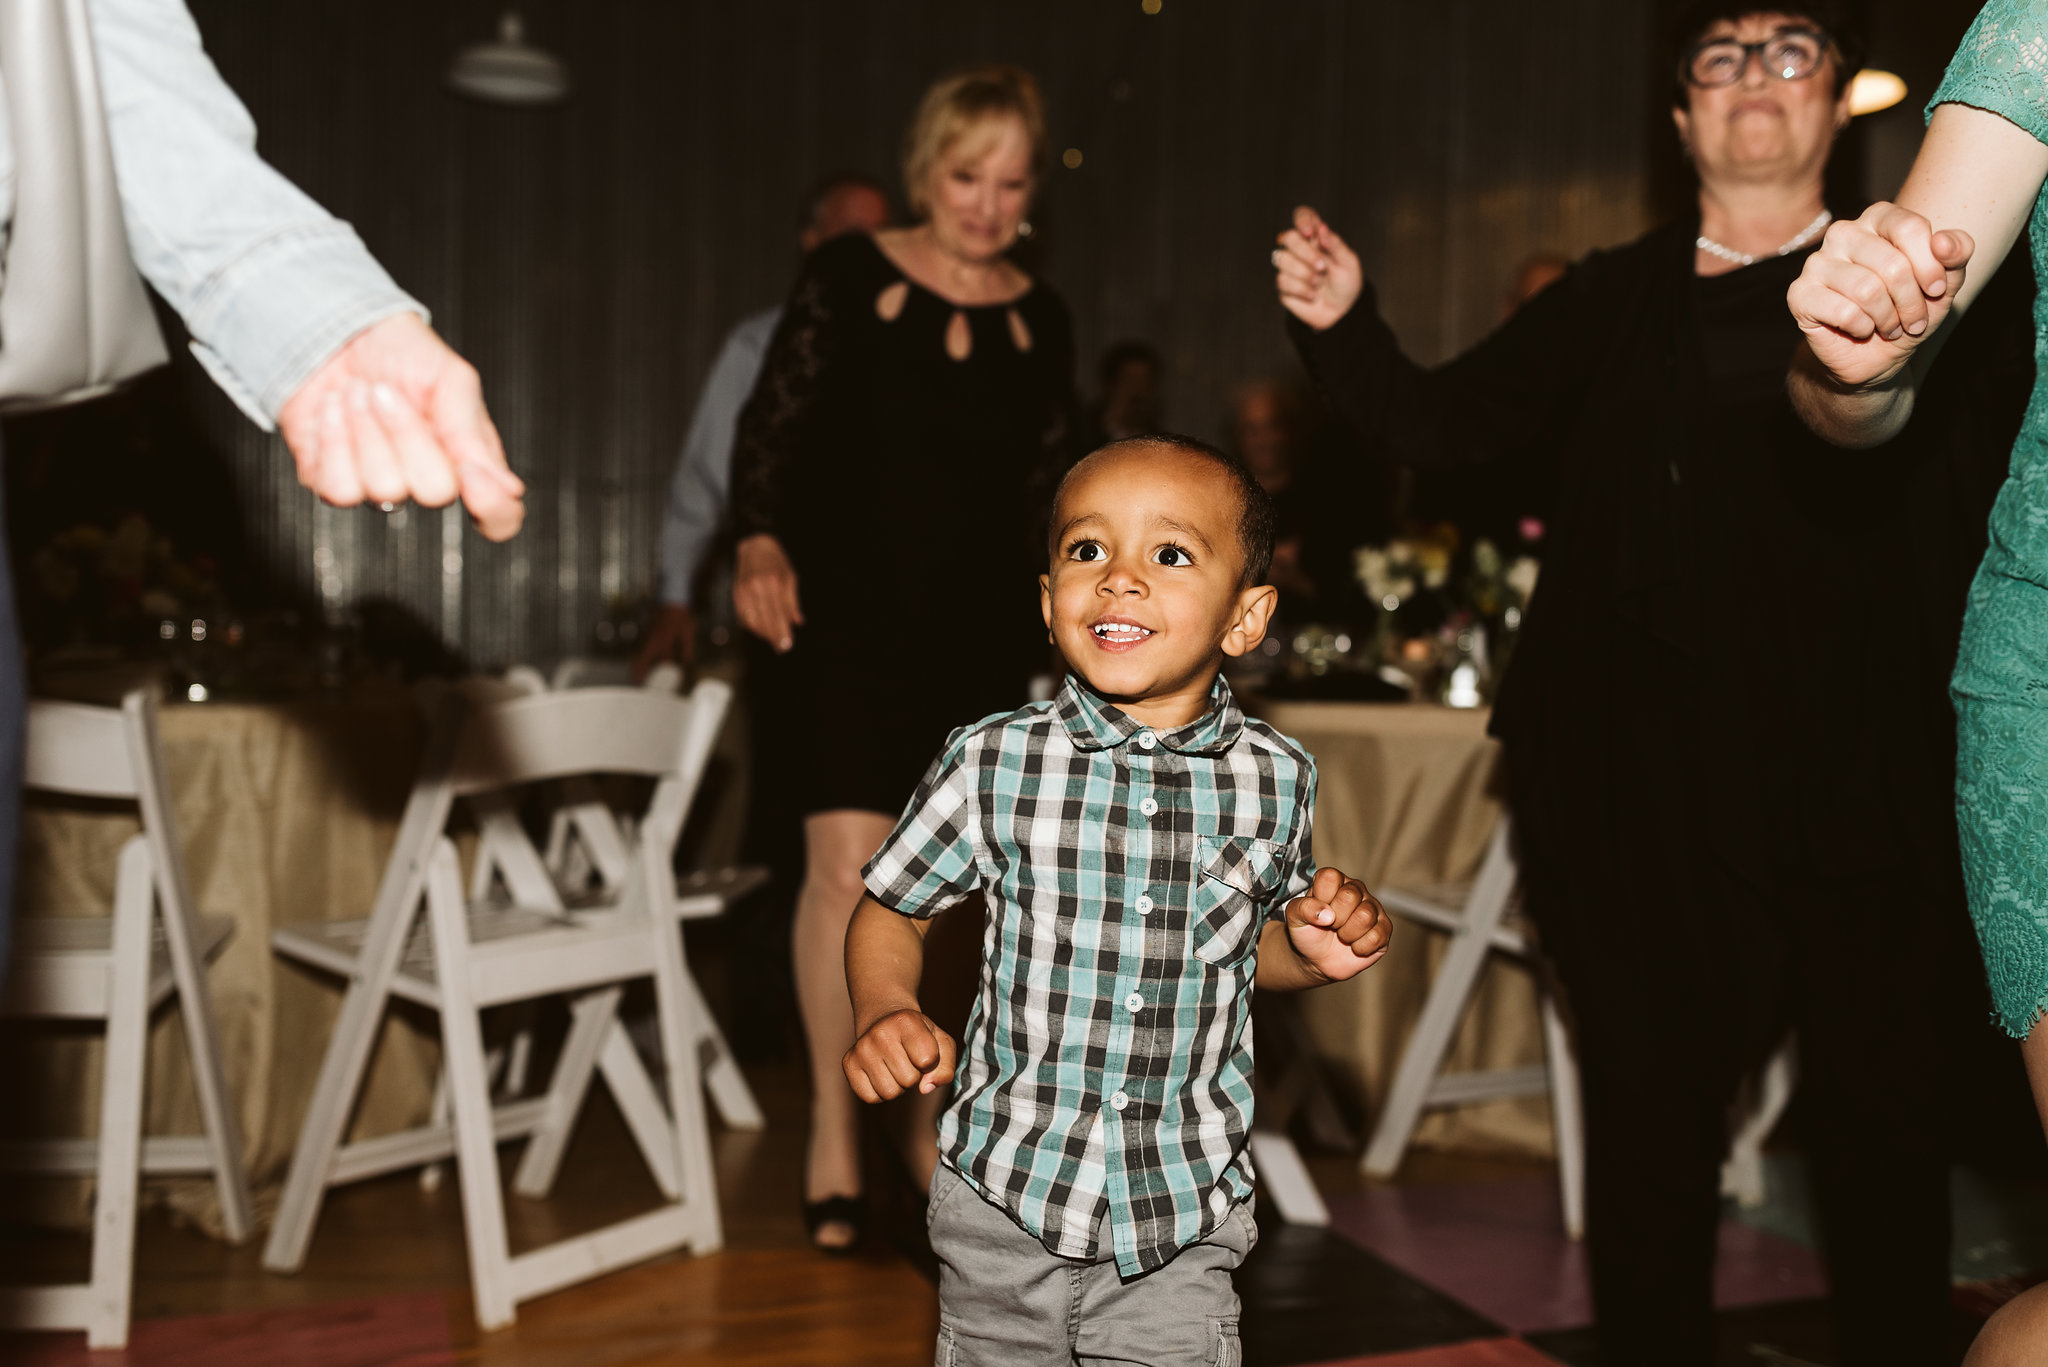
1437 608
91 585
1394 574
1497 587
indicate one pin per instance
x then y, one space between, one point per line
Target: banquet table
1408 796
287 812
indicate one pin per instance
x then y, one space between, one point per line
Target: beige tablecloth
1409 796
287 813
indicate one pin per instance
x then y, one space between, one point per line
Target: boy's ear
1045 602
1254 614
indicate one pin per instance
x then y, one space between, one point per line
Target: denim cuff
283 308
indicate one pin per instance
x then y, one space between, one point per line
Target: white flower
1371 565
1521 577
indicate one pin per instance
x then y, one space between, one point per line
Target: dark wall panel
589 258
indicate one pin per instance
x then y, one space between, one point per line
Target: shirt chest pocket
1236 879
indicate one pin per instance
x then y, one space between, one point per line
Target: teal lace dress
2001 678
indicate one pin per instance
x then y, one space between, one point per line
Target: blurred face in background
979 190
1761 126
1130 405
1263 422
847 209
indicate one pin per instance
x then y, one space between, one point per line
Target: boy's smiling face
1146 593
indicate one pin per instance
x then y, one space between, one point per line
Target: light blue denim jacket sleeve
698 492
269 284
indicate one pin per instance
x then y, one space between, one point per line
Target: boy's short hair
1255 519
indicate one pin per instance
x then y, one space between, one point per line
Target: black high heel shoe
847 1210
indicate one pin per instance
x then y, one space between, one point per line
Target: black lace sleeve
772 427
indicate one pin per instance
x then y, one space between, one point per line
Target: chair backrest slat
72 748
579 731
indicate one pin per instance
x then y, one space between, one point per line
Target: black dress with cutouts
903 460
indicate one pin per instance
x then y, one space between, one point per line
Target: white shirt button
1149 807
1143 904
1135 1002
1119 1101
1146 740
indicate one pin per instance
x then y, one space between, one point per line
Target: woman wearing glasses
1729 749
1878 304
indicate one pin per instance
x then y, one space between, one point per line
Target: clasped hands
1878 287
1336 929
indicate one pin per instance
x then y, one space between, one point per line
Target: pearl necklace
1805 235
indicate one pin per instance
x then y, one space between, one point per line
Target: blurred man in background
697 493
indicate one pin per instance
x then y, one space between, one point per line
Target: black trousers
1681 977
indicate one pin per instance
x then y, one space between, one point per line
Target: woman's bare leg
2017 1336
836 845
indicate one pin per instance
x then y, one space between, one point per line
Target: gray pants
1006 1302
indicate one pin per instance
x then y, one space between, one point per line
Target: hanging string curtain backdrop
590 256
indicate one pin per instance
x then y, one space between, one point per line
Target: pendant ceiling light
509 70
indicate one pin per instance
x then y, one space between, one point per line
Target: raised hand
1879 286
764 591
902 1050
396 415
1316 273
1337 928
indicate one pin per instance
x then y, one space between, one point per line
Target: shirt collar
1095 724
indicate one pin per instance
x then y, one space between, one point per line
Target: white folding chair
121 969
1477 921
468 955
593 671
586 839
1742 1176
589 852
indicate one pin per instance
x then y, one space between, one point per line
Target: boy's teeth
1118 629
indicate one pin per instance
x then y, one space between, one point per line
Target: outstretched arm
1884 292
896 1046
1495 400
287 310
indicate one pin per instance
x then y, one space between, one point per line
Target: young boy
1143 849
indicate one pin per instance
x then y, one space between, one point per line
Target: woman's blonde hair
955 107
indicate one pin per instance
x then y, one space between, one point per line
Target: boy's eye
1172 555
1087 552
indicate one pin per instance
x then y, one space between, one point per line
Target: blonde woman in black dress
917 392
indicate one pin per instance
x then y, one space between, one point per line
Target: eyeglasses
1790 55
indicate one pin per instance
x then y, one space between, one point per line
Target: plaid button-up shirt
1127 873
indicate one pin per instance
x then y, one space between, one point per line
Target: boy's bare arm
1334 931
896 1046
